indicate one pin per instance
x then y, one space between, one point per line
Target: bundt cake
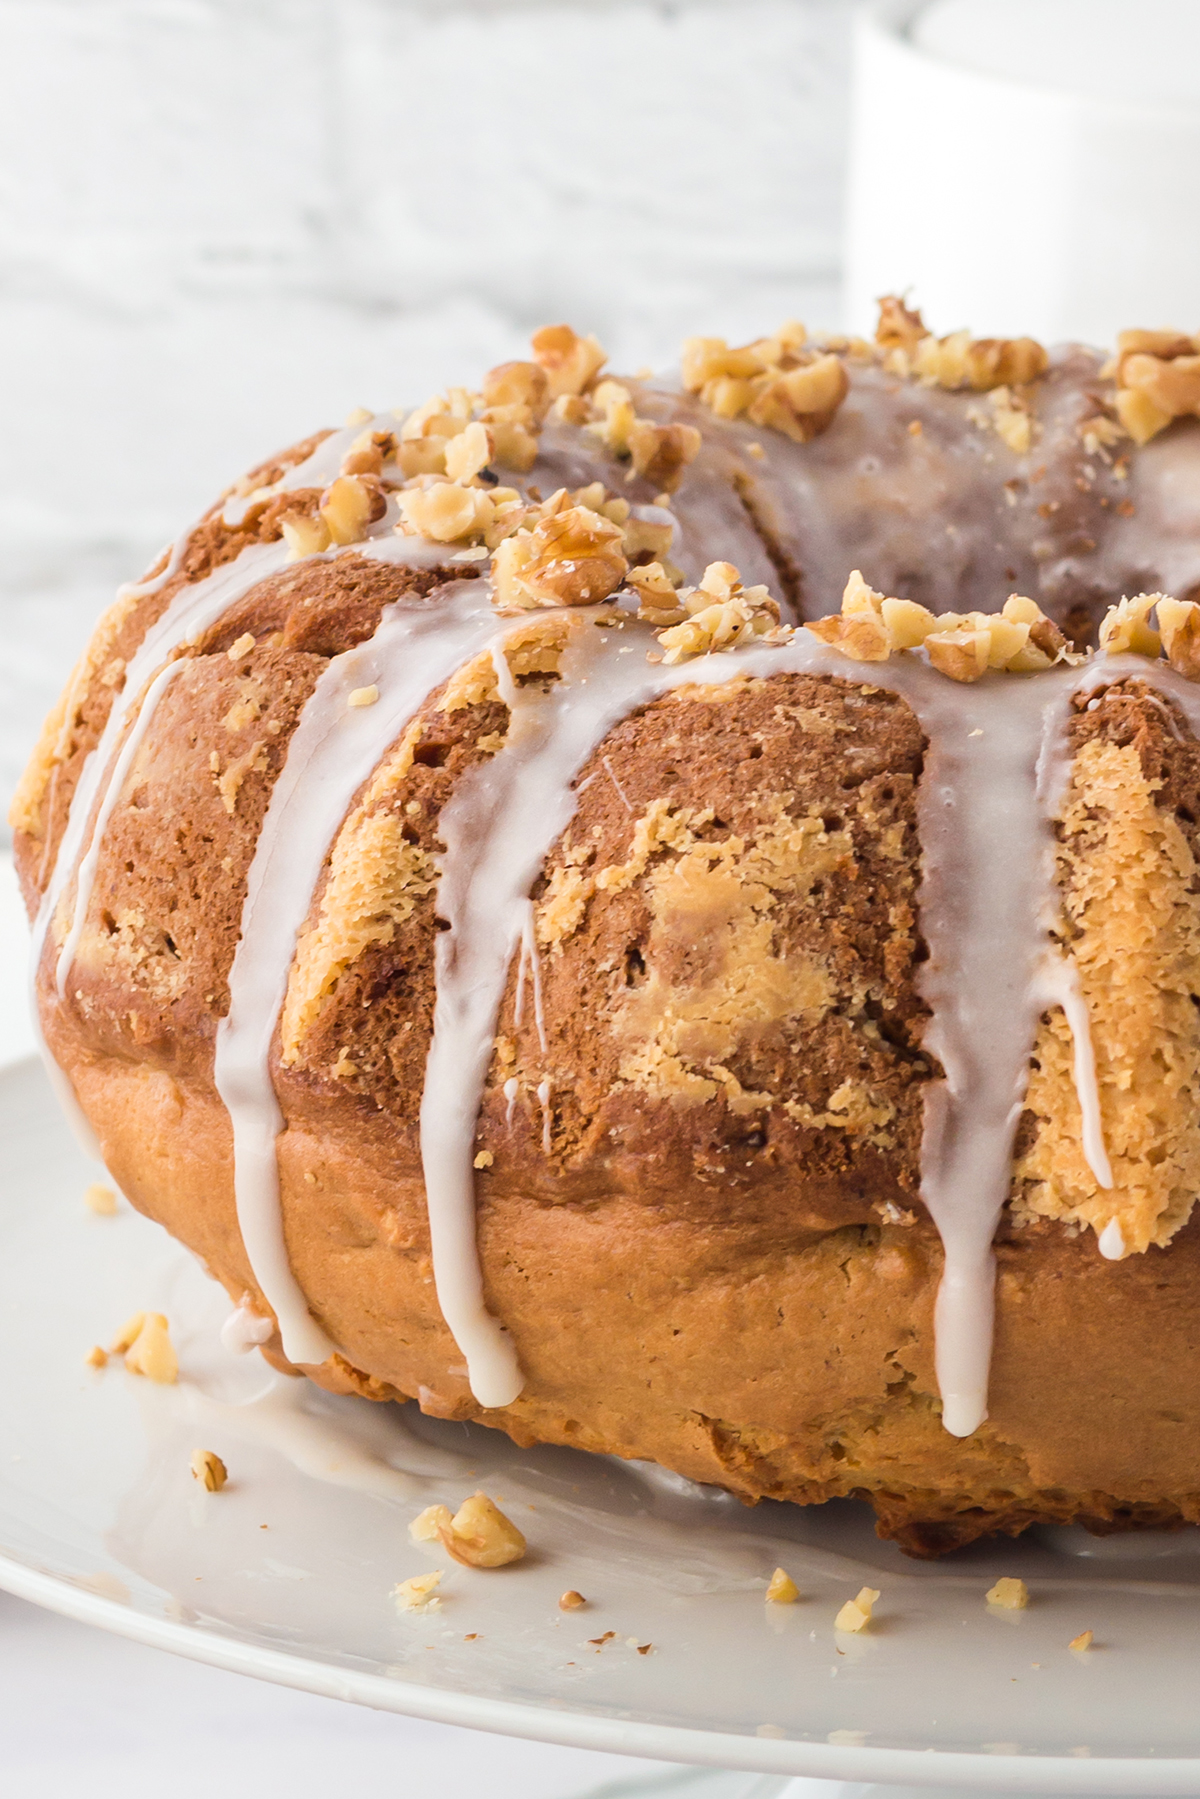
663 916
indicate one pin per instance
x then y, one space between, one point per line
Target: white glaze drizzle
86 875
543 1094
245 1329
334 749
1057 984
193 611
1111 1242
531 961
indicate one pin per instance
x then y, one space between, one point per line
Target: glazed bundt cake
664 916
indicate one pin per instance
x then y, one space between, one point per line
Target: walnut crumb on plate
1009 1594
856 1613
209 1470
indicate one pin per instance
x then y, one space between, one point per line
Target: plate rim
572 1729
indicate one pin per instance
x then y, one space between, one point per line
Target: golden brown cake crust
698 1204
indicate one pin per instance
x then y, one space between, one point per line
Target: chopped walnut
514 437
1084 1640
782 1589
1179 627
304 536
777 382
101 1200
1158 380
899 327
1009 416
368 453
350 506
478 1535
96 1357
1010 1594
720 614
145 1341
856 1613
658 602
362 696
521 384
573 409
660 453
240 649
468 453
871 627
424 1527
571 557
447 512
980 363
428 429
571 1601
802 402
570 362
209 1470
614 404
1126 626
417 1593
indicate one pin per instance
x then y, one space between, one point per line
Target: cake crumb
782 1589
484 1159
1084 1640
101 1200
1009 1594
363 696
856 1613
242 647
571 1601
209 1470
599 1642
417 1593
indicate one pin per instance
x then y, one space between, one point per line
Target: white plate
99 1518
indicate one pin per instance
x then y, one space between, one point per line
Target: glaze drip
333 751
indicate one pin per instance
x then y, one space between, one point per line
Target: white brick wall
223 222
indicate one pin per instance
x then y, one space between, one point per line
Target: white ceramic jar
1027 165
